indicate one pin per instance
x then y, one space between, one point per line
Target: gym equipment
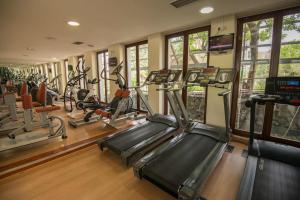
74 95
32 81
14 118
53 84
88 118
119 109
26 134
133 143
182 165
272 170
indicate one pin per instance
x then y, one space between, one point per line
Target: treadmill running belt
130 138
174 166
276 180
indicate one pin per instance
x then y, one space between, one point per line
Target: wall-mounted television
221 42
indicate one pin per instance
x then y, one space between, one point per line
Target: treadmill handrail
194 183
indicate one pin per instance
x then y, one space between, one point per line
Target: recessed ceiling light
73 23
207 10
30 49
50 38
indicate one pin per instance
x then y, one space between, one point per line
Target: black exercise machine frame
137 151
195 182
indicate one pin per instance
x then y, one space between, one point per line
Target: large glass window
286 119
66 69
269 46
254 69
175 52
137 70
194 56
104 91
197 58
82 81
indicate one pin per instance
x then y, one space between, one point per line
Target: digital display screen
222 42
296 83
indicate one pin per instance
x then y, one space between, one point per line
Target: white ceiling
26 24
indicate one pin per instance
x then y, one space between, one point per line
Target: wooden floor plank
75 135
91 174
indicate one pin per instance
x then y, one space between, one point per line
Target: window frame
98 74
277 17
185 35
136 45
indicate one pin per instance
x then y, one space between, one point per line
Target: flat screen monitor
221 42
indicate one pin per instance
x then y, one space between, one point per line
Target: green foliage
289 22
195 89
290 51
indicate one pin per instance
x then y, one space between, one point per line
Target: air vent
77 43
50 38
181 3
90 45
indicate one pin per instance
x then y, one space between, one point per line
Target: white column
156 44
117 51
215 109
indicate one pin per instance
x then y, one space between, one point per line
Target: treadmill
134 143
272 170
182 165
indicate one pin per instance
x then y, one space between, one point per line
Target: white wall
117 51
215 109
156 44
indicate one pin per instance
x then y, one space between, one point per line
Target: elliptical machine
120 108
54 83
33 82
74 95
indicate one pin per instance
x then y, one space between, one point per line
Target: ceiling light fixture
207 10
73 23
54 58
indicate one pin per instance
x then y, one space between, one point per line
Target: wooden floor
75 135
91 174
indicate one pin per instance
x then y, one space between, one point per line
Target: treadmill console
225 76
202 76
212 76
163 77
283 86
285 90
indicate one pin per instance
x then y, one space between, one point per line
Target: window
137 70
46 70
82 81
57 82
104 84
286 119
66 69
268 45
185 50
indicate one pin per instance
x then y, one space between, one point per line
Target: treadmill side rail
247 183
197 178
